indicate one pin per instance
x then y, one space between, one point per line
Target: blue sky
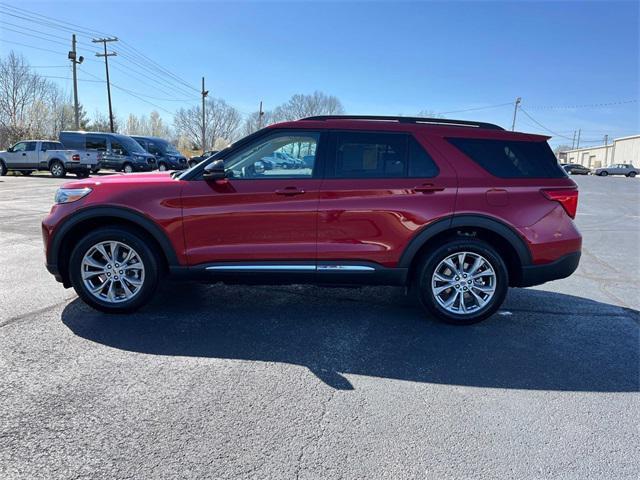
377 57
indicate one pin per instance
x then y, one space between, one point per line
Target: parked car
112 151
625 169
281 159
167 156
30 155
197 159
456 210
576 169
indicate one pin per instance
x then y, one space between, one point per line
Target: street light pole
515 112
75 60
204 118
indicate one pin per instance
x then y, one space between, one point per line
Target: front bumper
537 274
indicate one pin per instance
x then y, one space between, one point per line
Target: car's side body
33 155
322 229
576 169
625 169
110 150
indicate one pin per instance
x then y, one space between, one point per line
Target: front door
256 215
18 157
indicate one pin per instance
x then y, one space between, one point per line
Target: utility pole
75 60
515 111
606 150
260 115
204 118
573 142
106 65
579 132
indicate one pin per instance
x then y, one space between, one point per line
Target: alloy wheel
112 272
463 283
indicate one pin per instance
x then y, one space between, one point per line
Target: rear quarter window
72 141
511 159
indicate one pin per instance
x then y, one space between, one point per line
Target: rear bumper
537 274
77 167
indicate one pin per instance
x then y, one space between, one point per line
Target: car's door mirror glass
215 170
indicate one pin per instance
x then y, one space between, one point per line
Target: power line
34 47
134 56
476 108
589 105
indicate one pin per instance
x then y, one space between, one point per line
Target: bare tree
23 96
301 105
100 122
223 122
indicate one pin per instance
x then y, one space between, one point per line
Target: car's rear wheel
631 174
162 167
127 168
113 270
462 282
57 169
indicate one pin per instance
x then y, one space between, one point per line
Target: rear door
96 147
380 189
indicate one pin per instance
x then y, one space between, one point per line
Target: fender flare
459 221
92 213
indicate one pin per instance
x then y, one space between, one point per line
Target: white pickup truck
31 155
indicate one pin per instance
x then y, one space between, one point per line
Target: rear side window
380 155
72 141
511 159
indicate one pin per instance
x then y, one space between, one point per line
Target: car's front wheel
162 167
603 174
462 282
113 270
127 168
3 169
631 174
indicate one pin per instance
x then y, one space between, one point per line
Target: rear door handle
24 154
427 188
289 191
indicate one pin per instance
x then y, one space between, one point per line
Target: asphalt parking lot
305 382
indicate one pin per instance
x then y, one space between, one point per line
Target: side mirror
214 171
259 167
10 149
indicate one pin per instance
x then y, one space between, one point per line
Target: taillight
568 198
75 157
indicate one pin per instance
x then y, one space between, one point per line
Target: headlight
68 195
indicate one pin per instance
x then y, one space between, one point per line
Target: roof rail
400 119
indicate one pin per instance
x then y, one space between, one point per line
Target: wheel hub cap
112 272
463 283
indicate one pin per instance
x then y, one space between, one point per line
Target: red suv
456 210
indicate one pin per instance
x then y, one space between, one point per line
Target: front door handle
289 191
427 188
24 154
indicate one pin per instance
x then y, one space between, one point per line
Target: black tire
430 262
95 170
604 174
162 167
130 238
3 169
192 164
127 168
57 169
631 174
83 174
26 173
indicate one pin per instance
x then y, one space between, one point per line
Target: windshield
130 144
169 148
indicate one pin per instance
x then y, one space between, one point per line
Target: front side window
117 148
154 149
31 147
280 155
20 147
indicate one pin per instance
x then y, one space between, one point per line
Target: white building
622 150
